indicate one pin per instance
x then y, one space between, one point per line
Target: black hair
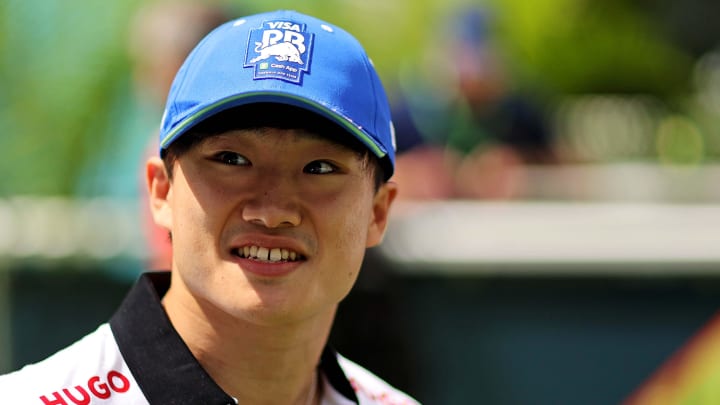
272 115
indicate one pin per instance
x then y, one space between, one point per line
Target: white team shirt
138 358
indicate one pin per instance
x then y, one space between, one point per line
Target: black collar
162 364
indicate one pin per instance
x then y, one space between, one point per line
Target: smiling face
268 225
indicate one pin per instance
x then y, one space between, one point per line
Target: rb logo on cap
279 50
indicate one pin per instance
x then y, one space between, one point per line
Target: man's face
268 225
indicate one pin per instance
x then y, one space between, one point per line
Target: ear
159 192
381 209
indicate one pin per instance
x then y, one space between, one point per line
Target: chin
265 308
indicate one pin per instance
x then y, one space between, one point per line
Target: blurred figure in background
462 131
162 34
425 167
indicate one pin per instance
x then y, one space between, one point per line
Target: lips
267 254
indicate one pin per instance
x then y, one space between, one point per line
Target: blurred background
556 239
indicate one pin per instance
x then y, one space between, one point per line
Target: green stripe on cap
338 118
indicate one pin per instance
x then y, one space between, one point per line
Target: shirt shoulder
371 389
90 371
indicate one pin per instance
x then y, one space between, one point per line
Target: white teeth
266 254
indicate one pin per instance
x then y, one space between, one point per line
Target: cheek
344 249
347 231
201 205
193 228
195 244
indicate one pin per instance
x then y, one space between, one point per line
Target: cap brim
273 97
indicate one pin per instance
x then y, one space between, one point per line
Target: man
276 149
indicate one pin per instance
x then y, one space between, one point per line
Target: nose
273 205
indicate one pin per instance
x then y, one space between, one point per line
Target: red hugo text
115 382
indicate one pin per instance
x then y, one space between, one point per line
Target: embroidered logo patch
279 50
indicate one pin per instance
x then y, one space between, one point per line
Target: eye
320 167
231 158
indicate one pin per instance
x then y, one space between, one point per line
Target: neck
255 363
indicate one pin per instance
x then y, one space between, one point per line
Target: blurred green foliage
582 46
64 72
61 65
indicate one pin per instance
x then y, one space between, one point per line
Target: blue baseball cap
289 58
